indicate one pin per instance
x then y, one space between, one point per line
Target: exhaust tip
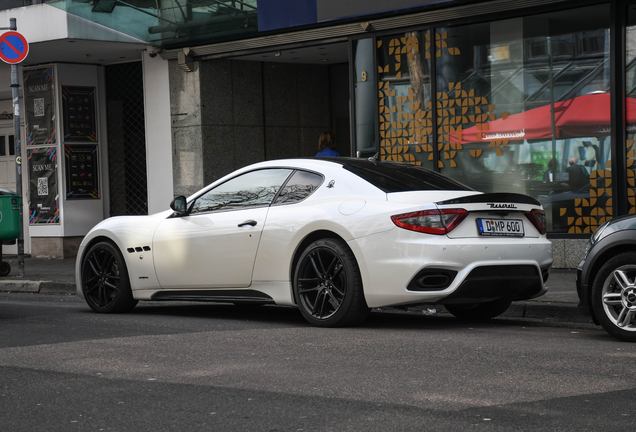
432 280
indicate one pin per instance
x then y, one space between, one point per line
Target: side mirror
179 205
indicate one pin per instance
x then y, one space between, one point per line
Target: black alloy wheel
479 311
614 296
328 285
105 282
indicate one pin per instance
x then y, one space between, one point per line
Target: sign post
13 49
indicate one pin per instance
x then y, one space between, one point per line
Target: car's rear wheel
105 282
479 311
614 296
328 285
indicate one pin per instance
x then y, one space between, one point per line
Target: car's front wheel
328 285
105 282
614 296
479 311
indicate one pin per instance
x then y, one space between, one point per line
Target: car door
215 244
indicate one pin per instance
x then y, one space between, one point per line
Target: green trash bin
9 215
9 223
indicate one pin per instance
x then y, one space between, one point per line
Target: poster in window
78 104
81 172
39 102
43 194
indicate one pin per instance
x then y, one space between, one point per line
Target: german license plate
500 227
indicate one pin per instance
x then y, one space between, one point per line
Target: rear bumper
490 283
480 268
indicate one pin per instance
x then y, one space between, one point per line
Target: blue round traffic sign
13 47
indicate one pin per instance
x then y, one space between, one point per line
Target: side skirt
218 296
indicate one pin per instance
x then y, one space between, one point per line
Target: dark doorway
126 139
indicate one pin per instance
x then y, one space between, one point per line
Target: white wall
158 133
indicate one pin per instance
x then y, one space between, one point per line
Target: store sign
78 106
39 101
338 9
81 172
279 14
43 193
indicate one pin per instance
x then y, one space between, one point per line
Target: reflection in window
254 189
405 104
300 186
523 106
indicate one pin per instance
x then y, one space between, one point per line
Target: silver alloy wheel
619 297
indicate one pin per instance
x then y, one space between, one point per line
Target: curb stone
41 287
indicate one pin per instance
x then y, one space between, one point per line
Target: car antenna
374 158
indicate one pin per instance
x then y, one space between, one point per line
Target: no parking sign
13 47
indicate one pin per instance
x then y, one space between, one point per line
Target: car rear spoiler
495 198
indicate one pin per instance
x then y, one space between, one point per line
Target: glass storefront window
404 95
523 105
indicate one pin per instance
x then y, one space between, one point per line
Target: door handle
247 222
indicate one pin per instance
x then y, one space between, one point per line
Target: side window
300 186
252 189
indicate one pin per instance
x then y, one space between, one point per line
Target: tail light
437 222
537 217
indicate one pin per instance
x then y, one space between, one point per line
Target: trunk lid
494 215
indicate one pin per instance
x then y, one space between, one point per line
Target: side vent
138 249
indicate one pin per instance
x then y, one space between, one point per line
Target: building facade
531 96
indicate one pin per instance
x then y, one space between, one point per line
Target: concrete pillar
187 139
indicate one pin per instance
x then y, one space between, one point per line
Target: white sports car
331 236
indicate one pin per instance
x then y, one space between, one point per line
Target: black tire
5 269
105 281
479 311
328 285
614 296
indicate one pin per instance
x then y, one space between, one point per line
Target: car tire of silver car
479 311
328 285
614 296
105 282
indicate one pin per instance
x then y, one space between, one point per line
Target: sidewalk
41 275
58 276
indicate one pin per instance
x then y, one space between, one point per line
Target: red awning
583 116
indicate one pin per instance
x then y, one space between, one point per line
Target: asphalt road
191 367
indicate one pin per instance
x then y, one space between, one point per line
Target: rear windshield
398 177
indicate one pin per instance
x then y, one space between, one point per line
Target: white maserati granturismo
331 236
